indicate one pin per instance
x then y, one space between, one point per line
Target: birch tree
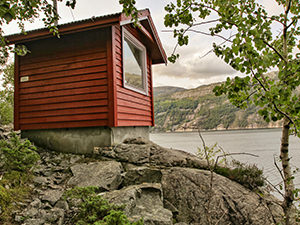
253 48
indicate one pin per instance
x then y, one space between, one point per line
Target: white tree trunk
287 174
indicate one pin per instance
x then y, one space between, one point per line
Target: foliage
176 110
17 160
22 11
8 83
219 114
96 210
211 154
209 111
129 9
249 176
7 95
13 189
252 49
298 215
6 113
80 193
18 155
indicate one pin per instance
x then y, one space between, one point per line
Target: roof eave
63 29
92 23
145 15
158 42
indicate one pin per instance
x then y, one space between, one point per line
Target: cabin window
134 63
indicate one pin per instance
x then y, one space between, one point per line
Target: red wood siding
68 82
133 108
111 65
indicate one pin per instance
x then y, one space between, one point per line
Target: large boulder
102 174
141 174
140 152
142 201
187 191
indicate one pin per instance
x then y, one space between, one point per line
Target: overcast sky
191 70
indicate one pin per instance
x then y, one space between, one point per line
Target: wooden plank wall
67 84
133 108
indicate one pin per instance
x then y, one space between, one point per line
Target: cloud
272 8
192 66
208 66
186 82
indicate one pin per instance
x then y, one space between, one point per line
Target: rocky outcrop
142 201
160 185
186 190
140 152
104 174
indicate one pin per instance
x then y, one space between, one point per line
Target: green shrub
18 155
7 95
80 193
249 176
18 159
5 197
116 218
94 210
6 112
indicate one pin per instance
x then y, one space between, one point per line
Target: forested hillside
178 109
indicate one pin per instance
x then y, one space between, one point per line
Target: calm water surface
265 143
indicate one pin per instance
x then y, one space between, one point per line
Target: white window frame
126 34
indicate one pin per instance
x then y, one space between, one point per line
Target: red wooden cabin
97 75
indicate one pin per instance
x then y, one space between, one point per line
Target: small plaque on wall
24 79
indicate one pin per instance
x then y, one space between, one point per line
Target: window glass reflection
133 65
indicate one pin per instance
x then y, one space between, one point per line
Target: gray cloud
209 66
271 7
191 65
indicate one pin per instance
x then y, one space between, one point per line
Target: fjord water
264 143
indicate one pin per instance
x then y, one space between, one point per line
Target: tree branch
217 46
275 20
206 22
258 80
230 154
274 49
279 170
288 7
288 26
275 106
208 34
274 187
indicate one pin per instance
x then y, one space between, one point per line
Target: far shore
217 130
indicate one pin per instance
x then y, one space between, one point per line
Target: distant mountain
166 90
179 109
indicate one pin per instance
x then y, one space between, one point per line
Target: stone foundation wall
83 140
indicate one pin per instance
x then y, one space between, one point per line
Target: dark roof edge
87 24
146 15
64 28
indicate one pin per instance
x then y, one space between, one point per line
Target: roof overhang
146 27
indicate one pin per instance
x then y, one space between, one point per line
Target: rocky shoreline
162 186
212 130
195 128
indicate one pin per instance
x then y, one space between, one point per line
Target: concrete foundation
83 140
